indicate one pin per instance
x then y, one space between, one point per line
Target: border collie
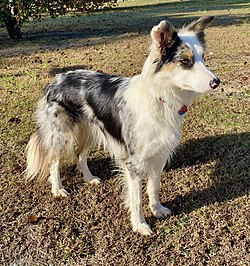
137 120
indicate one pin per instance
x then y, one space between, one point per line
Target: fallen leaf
32 218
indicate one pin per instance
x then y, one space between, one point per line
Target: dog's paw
60 192
161 212
143 229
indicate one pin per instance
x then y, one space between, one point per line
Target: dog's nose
214 83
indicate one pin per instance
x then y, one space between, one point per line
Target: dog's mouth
197 90
187 88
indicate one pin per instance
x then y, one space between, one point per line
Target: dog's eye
185 61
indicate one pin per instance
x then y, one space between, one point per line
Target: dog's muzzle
214 83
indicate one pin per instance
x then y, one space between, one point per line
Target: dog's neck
181 111
165 93
173 98
163 99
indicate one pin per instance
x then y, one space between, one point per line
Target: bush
13 13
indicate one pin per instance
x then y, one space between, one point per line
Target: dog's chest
159 136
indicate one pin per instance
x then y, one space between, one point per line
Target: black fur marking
74 89
201 37
169 53
67 98
100 96
176 53
65 92
185 56
187 63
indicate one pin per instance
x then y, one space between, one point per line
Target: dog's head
180 56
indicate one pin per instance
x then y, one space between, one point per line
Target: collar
183 109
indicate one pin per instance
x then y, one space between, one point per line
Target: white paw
60 192
94 180
143 229
161 212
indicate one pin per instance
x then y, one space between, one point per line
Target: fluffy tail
53 139
38 159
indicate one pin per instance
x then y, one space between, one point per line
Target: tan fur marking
188 54
169 67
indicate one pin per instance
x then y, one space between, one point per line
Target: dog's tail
38 159
53 139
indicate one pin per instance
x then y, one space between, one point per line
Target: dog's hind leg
83 167
154 169
56 138
55 180
133 179
85 141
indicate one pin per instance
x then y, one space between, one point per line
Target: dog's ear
198 27
200 24
162 34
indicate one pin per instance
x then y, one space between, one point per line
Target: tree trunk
13 25
14 29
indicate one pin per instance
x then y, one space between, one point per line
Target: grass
206 186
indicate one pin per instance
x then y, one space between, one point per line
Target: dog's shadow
101 167
230 173
59 70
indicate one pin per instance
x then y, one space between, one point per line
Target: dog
137 120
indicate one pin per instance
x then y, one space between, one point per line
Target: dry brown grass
207 185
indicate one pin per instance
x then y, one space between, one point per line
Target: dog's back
69 108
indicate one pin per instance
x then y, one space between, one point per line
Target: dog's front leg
154 168
133 177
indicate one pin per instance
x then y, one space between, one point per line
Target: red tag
183 110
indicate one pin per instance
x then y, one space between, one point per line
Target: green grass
207 184
104 26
